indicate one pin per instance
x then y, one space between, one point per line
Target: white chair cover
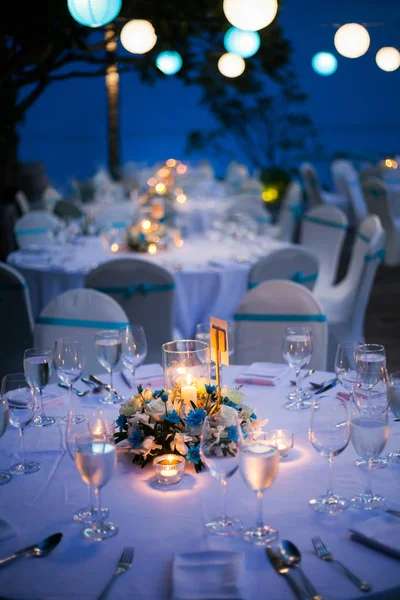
49 197
293 264
315 194
264 313
22 202
146 293
79 314
289 215
346 178
345 303
36 227
323 231
338 168
16 322
118 216
381 200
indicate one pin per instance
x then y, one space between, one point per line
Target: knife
285 572
374 544
326 387
395 513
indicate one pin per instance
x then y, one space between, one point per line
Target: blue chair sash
87 324
119 225
37 231
297 277
325 222
258 318
297 210
380 253
131 290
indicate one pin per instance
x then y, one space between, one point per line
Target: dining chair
79 314
145 291
345 303
49 198
36 227
347 180
290 214
384 201
16 329
22 202
68 210
315 194
293 264
266 311
323 230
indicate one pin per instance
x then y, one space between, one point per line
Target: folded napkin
263 374
208 575
147 375
380 533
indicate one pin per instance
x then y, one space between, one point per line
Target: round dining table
211 276
160 523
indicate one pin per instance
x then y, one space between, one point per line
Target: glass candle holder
169 468
102 427
184 363
282 440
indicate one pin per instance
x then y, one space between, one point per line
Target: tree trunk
112 86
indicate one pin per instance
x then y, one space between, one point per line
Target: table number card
219 341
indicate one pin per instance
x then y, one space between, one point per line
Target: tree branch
23 106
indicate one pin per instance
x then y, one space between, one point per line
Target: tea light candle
188 391
282 440
169 468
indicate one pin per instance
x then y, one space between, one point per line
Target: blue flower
210 389
245 434
172 417
196 417
140 388
253 416
233 433
157 393
164 397
136 438
193 454
228 402
121 422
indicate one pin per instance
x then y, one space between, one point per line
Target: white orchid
147 446
156 408
227 415
178 443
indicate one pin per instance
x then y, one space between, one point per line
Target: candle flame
188 379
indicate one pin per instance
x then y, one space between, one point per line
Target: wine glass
394 405
346 365
89 513
22 406
134 348
68 360
38 369
297 348
96 458
259 466
108 351
329 433
5 476
219 448
371 362
369 435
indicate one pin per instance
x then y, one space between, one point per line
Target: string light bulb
94 13
352 40
250 15
388 59
138 36
231 65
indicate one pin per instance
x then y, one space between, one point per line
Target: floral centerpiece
155 422
140 238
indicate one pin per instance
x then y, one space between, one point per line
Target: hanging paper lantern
250 15
94 13
138 36
169 62
324 63
243 43
352 40
388 58
231 65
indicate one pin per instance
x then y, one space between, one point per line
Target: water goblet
329 433
96 458
259 466
297 348
108 346
68 360
346 365
371 364
22 406
394 405
219 449
5 476
38 369
134 348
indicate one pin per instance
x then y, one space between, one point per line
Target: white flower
147 394
147 446
140 418
132 406
156 408
227 415
178 443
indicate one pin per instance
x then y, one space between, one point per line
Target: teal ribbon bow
380 253
130 290
299 277
38 231
325 222
279 318
81 323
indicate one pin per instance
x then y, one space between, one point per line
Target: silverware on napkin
283 570
43 548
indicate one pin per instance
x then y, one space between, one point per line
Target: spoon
77 392
106 386
291 557
38 550
96 387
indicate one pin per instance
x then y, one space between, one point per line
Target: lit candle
188 391
282 440
169 468
97 428
168 472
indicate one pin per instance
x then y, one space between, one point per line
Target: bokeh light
94 13
138 36
388 59
250 15
231 65
169 62
352 40
324 63
243 43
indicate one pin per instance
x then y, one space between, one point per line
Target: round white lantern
138 36
231 65
250 15
352 40
388 58
169 62
324 63
94 13
244 43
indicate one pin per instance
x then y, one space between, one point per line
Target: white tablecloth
211 278
160 523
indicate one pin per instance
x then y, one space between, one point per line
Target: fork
123 565
322 552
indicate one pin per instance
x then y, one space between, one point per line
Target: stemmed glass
38 369
297 348
134 348
259 466
68 360
329 433
108 351
5 476
346 365
22 405
394 405
219 449
87 514
96 458
369 435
